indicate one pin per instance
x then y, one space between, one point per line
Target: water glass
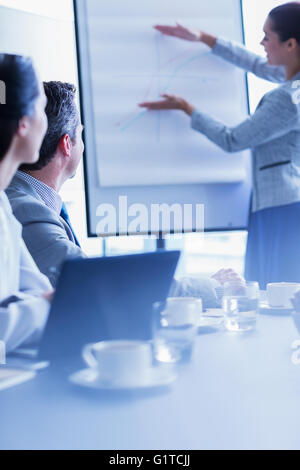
240 305
175 327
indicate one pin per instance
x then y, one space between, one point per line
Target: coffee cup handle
88 356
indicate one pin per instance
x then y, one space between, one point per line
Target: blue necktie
64 214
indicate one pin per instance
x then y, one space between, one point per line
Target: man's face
76 152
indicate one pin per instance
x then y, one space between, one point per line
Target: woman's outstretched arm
230 51
276 115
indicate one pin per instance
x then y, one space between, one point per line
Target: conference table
240 391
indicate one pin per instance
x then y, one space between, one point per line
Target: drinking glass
240 305
175 327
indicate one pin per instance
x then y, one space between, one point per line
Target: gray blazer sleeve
275 116
49 246
196 287
238 55
44 235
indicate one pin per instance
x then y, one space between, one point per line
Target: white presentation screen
154 157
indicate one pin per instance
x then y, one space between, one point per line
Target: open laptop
105 298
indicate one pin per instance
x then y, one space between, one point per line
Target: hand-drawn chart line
161 75
133 114
165 89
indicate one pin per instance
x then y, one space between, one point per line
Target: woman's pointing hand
169 102
179 31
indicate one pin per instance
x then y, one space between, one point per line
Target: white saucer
159 376
264 307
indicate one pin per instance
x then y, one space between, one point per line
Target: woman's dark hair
19 90
286 21
63 118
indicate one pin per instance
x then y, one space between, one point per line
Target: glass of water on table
240 304
175 327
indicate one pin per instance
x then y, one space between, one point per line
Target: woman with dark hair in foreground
24 292
273 134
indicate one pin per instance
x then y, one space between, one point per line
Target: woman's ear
292 44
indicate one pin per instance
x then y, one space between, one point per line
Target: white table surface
241 391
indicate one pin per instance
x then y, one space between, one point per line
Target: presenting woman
273 134
24 292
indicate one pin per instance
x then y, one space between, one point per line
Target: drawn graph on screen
133 63
161 81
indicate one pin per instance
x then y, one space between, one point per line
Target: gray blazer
272 132
46 235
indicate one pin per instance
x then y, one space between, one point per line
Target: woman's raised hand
179 31
169 102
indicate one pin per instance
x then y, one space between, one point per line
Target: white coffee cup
121 361
280 293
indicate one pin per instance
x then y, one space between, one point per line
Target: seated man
33 194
